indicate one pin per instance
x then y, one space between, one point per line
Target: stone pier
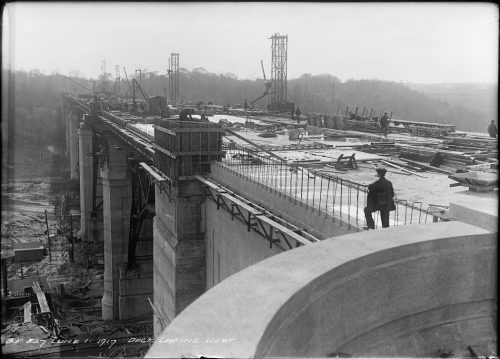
73 145
86 178
116 219
179 251
126 288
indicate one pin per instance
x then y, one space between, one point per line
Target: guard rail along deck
321 192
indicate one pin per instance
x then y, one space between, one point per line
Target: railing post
327 193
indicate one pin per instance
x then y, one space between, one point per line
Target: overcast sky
413 42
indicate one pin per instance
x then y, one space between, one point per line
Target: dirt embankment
37 181
34 186
27 195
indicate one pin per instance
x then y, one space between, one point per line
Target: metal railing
319 191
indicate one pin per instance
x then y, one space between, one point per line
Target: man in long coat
384 123
380 198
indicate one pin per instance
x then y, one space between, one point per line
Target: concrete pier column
116 221
96 234
86 179
73 146
178 252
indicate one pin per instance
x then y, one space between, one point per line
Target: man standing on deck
384 123
492 129
380 198
297 114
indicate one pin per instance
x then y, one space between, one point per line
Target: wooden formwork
186 148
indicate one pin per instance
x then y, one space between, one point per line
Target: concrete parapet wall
319 224
403 291
478 211
230 247
164 242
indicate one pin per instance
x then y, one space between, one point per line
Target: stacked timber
487 156
386 148
300 146
417 153
360 125
456 160
478 143
450 160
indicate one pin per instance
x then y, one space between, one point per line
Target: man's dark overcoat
380 196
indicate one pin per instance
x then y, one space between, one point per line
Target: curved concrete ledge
403 291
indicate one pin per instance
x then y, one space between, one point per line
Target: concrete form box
186 148
28 252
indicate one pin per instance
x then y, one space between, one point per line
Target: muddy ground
36 185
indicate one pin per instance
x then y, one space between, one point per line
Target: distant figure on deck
184 114
384 123
380 198
297 114
492 129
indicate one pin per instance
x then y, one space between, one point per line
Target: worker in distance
186 114
492 129
380 198
384 124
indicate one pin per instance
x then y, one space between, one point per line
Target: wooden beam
42 299
432 168
402 169
27 312
255 145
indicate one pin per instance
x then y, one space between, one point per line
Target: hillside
326 93
34 107
478 97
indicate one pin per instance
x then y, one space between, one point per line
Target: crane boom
143 94
126 77
267 84
79 84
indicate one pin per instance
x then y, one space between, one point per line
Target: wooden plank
42 299
152 172
448 168
402 169
432 168
163 129
27 312
255 145
161 149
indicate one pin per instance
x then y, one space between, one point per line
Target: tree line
34 99
327 94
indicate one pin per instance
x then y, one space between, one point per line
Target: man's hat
381 171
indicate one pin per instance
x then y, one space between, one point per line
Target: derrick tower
116 84
173 77
279 48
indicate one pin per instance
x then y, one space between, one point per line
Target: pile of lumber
449 160
456 160
487 156
417 153
364 126
380 148
472 143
